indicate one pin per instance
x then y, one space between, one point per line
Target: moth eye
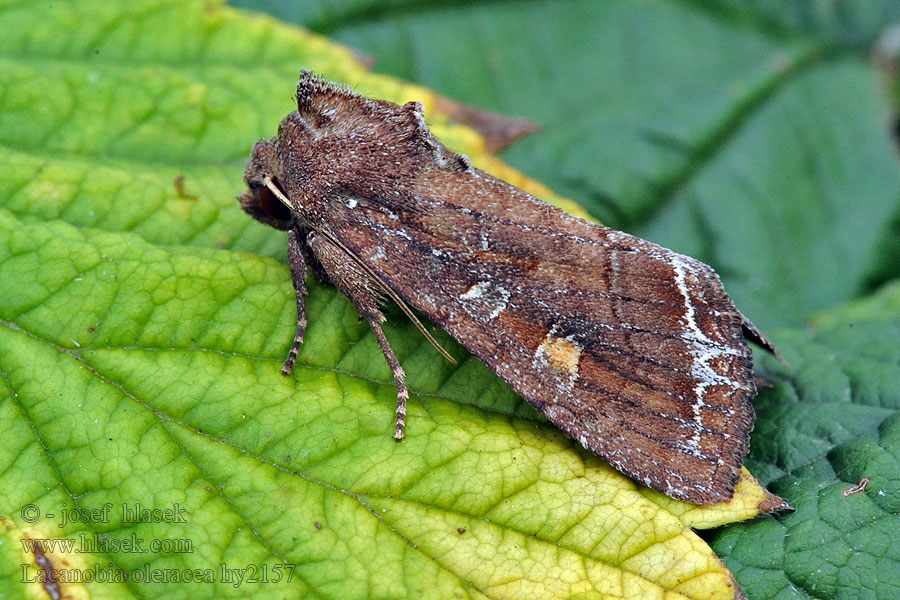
262 204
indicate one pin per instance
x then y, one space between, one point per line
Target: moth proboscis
633 350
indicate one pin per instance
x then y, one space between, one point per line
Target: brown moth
633 350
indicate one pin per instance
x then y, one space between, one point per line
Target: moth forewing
633 350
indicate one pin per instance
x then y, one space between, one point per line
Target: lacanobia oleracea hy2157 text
634 350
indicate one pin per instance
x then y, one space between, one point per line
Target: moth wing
632 349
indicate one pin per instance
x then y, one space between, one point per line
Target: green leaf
831 419
851 23
140 347
748 135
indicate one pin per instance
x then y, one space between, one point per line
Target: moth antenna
267 181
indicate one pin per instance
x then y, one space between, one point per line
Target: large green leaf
140 347
749 135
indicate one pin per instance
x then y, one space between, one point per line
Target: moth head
262 173
338 144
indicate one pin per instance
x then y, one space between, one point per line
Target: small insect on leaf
633 350
860 487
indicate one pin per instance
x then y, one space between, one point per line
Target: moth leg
297 262
365 294
399 378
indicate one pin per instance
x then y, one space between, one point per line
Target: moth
633 350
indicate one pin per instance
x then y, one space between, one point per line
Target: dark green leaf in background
831 418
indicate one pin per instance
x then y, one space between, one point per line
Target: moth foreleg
297 263
364 292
